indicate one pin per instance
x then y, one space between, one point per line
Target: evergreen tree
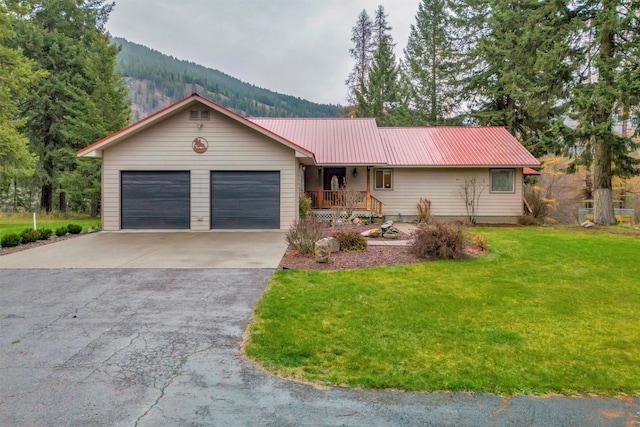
430 64
81 99
362 53
381 28
607 79
16 74
377 97
515 75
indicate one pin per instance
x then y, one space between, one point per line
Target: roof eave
90 151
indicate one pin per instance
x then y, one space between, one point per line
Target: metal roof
333 141
454 146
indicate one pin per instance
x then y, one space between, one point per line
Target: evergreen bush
61 231
44 234
74 228
29 235
10 240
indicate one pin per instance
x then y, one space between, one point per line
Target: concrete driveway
160 347
227 249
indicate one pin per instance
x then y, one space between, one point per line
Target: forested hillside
156 80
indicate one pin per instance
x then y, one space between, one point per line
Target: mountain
156 80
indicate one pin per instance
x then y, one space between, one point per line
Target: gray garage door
155 200
245 200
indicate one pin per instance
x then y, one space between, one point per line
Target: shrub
351 241
480 240
440 241
424 210
29 235
303 234
44 234
74 228
10 240
304 206
527 220
61 231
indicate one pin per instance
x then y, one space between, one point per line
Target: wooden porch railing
356 200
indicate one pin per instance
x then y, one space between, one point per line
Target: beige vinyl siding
443 187
167 146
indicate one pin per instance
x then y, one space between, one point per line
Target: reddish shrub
439 241
351 241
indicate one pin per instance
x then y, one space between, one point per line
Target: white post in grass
34 221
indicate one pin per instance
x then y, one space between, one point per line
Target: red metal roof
361 142
454 146
333 141
529 171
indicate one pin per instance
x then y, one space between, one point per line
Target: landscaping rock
357 221
587 224
332 242
322 251
390 235
374 232
387 225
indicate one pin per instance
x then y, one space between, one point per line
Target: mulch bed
20 248
374 256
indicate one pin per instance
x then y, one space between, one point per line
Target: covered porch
341 187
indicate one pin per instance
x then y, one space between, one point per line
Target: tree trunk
95 207
63 202
46 198
603 194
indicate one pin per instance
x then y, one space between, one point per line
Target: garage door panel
245 200
155 200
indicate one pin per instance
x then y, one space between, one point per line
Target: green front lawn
546 311
17 223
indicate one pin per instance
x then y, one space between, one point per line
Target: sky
294 47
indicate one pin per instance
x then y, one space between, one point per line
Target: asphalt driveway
213 249
151 347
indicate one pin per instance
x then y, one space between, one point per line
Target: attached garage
245 199
153 200
197 166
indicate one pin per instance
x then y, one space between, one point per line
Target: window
199 115
502 180
383 179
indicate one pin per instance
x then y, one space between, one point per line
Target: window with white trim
503 180
383 179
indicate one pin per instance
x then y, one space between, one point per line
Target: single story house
197 165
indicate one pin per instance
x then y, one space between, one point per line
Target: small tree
349 200
470 192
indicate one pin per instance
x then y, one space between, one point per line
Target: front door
340 177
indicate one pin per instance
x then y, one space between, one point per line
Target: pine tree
430 64
77 102
381 29
16 74
607 79
515 75
362 53
377 97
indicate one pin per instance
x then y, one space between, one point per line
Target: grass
18 222
546 311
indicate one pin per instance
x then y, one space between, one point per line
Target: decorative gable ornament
200 145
